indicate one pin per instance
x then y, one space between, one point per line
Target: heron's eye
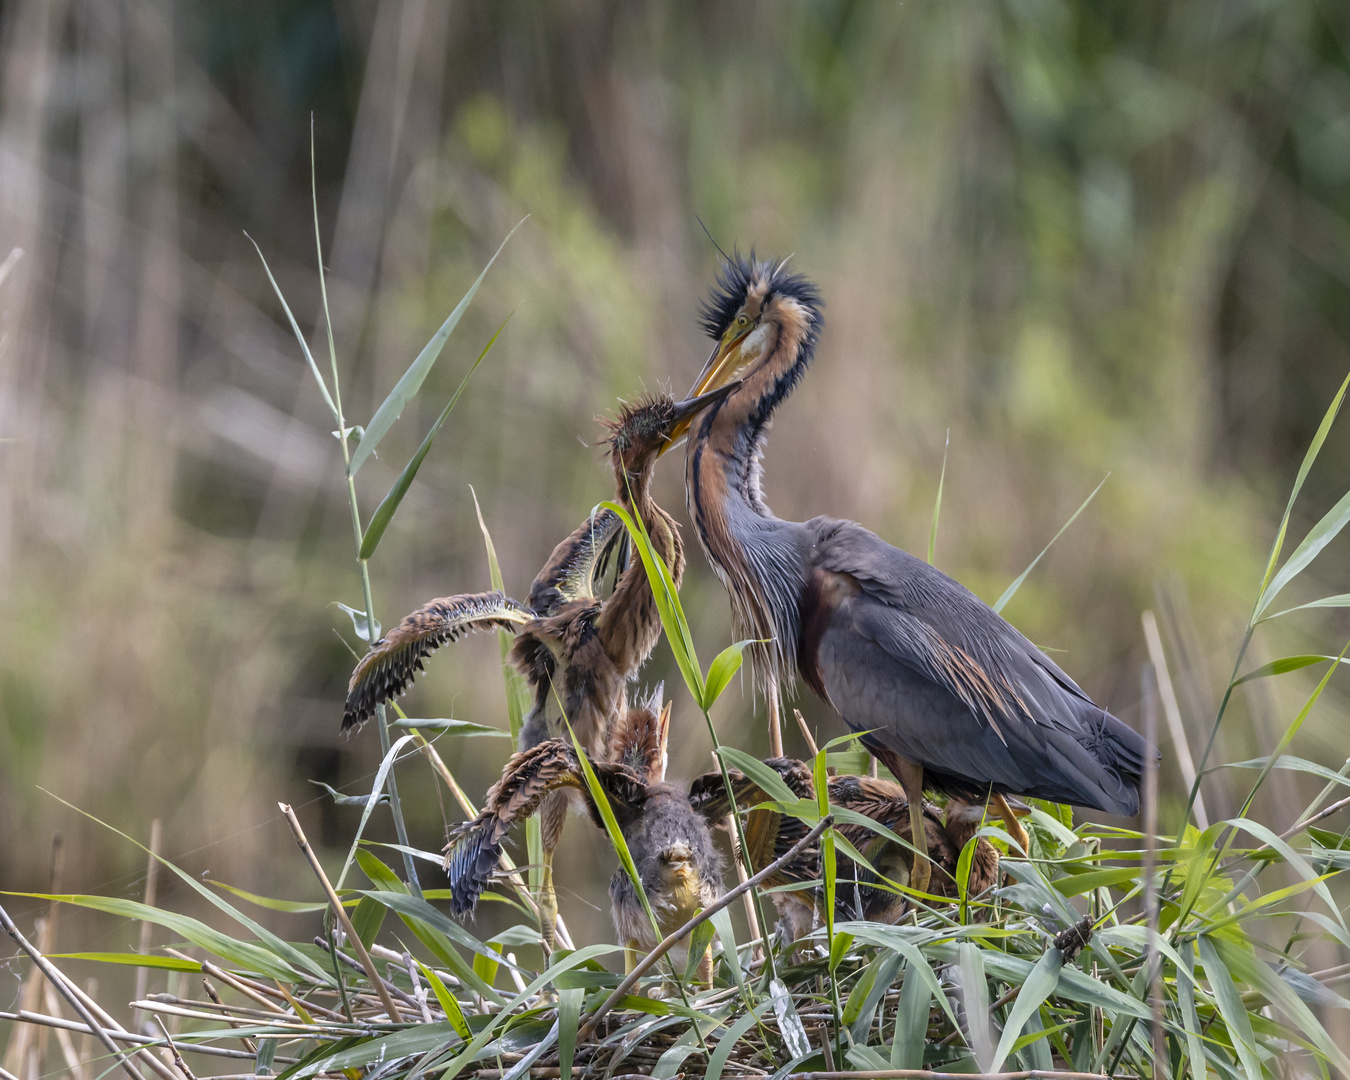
742 320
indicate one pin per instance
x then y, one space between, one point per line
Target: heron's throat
756 555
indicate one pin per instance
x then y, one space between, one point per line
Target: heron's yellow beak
690 407
715 381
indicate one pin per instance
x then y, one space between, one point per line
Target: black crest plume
734 278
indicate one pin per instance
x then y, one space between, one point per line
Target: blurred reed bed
1078 242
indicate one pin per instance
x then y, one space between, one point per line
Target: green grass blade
1040 984
1231 1008
411 381
569 1016
867 994
612 830
726 933
1011 590
461 728
246 954
380 775
1319 536
384 513
765 777
130 959
937 502
1340 600
284 950
911 1018
447 1001
1314 448
717 1061
1293 729
667 602
1285 665
517 690
517 701
293 907
323 285
295 329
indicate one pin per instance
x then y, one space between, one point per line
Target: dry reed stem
645 964
24 1054
251 990
217 1000
68 992
340 913
178 1061
73 1061
60 1023
151 894
1175 728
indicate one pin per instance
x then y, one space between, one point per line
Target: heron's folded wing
392 662
949 634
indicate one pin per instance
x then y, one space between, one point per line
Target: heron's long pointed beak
690 407
1017 806
720 365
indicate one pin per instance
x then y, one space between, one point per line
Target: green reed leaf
720 672
1011 590
411 381
384 513
295 329
1314 448
1039 985
937 502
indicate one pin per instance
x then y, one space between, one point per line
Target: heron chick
576 646
671 845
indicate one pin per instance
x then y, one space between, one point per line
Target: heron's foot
1011 815
920 873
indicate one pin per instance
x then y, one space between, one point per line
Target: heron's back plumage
945 681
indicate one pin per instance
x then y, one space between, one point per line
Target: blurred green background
1074 238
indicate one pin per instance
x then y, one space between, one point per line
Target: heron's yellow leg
775 721
911 779
705 969
548 903
630 957
1011 823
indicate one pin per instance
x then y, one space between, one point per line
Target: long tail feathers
392 662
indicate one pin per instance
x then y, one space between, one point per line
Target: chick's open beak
690 407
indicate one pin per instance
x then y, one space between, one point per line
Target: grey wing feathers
392 662
995 710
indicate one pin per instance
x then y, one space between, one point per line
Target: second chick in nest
671 845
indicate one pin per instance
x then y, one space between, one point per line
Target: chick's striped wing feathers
475 847
392 662
583 566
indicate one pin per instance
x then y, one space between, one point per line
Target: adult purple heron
577 647
944 691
